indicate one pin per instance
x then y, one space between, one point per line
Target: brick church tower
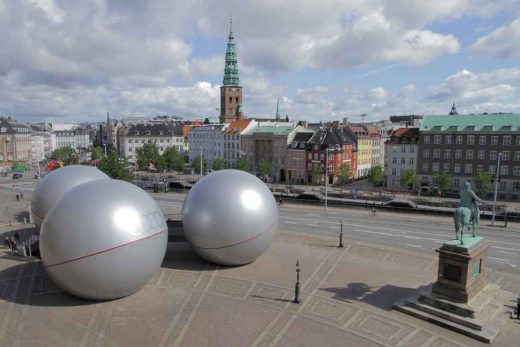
231 91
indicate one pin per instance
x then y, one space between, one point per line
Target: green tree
66 155
178 163
195 164
344 173
483 182
443 180
169 155
115 167
264 167
97 153
219 164
375 175
242 164
315 172
149 152
407 178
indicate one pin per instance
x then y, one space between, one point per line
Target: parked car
17 175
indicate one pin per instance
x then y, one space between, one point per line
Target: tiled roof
237 126
330 138
171 129
472 122
408 132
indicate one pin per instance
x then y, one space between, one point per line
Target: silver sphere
103 240
53 186
230 217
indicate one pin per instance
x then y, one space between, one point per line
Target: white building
232 140
37 148
65 138
400 154
82 138
208 139
162 135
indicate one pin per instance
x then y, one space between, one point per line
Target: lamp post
496 189
297 286
326 176
200 161
105 147
341 233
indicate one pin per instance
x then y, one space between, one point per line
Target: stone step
485 335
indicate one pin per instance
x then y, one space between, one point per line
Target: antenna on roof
364 115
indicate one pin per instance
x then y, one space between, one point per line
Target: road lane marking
290 222
507 252
415 246
500 259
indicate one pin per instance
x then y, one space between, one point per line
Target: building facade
15 142
65 138
296 157
208 141
465 145
363 141
232 137
400 154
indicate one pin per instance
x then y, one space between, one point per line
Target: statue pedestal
461 273
461 299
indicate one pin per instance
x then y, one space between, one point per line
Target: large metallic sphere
229 217
103 239
53 186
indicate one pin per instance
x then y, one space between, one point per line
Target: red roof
237 126
408 132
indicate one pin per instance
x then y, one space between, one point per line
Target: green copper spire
231 77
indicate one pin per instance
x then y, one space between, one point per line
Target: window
412 150
481 140
517 154
468 168
516 171
403 160
492 169
481 154
456 182
470 140
493 155
403 149
458 140
447 140
446 167
518 140
425 166
469 154
437 139
516 186
410 160
427 140
458 154
505 155
436 153
480 169
426 153
506 140
494 140
456 168
504 170
502 186
435 167
394 171
447 153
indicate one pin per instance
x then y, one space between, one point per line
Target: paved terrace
347 296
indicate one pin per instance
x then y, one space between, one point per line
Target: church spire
453 110
278 110
231 77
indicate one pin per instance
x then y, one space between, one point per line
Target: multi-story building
65 138
329 149
296 157
15 142
162 135
377 157
363 140
82 138
465 145
232 140
207 140
400 154
269 142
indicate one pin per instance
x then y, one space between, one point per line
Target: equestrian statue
468 213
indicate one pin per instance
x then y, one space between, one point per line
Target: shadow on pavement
180 256
382 297
29 284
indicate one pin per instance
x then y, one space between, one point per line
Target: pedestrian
13 244
17 236
6 242
17 197
21 195
518 307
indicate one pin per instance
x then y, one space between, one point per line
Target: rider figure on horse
469 199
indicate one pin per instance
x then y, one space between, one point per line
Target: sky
67 61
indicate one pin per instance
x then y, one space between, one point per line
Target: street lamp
496 189
341 233
326 176
297 286
200 161
105 146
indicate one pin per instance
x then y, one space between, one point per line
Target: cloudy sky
328 59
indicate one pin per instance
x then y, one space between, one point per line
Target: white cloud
503 42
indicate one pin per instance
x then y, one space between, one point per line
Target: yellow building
364 148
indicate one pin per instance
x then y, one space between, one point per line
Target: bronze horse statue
463 219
